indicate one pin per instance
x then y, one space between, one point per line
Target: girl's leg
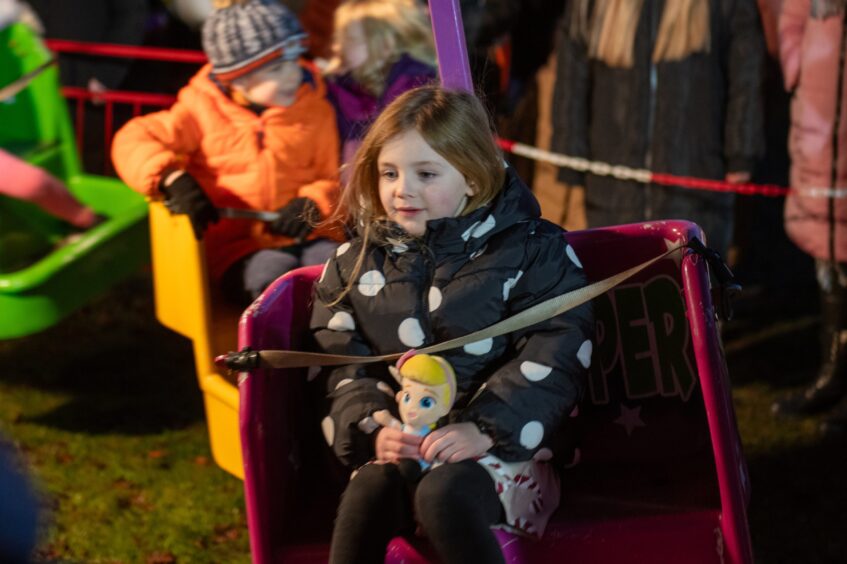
374 508
265 266
456 504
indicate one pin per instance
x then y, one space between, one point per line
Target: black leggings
456 504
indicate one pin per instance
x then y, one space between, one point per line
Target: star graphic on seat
630 419
677 256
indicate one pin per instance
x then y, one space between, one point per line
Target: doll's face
274 84
416 184
420 404
354 47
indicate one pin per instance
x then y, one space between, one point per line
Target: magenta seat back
661 473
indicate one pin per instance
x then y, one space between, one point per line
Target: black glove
296 219
184 195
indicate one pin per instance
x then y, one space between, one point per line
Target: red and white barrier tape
643 175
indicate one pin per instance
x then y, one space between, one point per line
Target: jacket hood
467 233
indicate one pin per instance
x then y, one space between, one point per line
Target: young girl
251 130
382 48
449 242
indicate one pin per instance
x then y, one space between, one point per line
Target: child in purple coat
382 49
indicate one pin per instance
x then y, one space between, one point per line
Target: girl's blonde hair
391 28
456 126
610 28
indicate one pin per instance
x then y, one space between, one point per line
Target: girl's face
274 84
416 184
354 47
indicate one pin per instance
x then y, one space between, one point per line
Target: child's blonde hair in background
391 28
453 123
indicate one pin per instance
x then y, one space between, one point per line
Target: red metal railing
139 102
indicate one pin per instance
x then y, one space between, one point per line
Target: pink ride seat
660 476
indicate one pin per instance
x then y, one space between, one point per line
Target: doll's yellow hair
431 370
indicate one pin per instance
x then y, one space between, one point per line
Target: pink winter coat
811 53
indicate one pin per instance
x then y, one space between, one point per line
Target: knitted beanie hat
240 36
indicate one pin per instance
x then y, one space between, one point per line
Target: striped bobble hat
240 36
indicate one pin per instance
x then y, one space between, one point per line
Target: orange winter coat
241 159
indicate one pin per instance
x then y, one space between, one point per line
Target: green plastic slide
47 270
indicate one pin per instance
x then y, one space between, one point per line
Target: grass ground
105 409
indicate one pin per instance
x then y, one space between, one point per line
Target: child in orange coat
252 130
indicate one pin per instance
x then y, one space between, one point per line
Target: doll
428 390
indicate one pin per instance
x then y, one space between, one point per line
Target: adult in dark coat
696 115
98 21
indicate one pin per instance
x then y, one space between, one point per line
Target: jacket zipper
651 111
268 196
429 267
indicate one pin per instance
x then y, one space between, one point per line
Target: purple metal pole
450 44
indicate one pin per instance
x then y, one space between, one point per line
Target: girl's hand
392 444
455 442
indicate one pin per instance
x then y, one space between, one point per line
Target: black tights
456 504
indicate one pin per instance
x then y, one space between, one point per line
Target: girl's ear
471 188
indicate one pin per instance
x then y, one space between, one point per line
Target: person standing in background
95 21
104 21
671 86
813 52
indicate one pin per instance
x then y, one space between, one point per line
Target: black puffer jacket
465 274
701 116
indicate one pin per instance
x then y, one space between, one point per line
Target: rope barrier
645 176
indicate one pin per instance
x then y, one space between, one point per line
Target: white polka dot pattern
535 372
484 227
572 255
480 228
479 348
398 246
467 234
410 332
531 434
584 354
371 283
385 388
511 283
323 272
341 321
343 248
368 425
328 428
434 298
